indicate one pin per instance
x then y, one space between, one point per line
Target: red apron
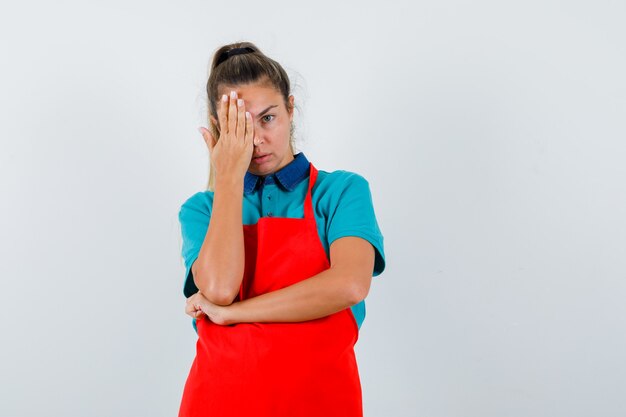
276 369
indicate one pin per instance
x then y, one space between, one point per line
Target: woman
279 258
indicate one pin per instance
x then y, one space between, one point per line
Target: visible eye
267 115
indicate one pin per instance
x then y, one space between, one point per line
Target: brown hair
245 68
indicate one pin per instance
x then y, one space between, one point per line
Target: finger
249 128
189 310
241 120
223 115
232 113
199 308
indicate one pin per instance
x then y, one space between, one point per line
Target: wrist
229 183
232 313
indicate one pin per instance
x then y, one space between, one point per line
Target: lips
260 158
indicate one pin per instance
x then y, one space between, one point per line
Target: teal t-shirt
342 204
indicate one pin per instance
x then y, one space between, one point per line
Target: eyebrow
266 110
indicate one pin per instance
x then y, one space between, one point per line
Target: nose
258 135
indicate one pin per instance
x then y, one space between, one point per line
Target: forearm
220 264
318 296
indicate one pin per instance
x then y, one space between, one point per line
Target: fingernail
240 102
233 94
224 97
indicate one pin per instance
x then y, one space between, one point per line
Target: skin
218 271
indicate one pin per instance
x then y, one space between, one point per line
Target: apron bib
299 369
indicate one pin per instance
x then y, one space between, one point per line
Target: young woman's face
272 125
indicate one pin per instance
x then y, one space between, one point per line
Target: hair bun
233 52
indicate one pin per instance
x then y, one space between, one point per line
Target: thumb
208 138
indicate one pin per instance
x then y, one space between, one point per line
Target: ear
291 98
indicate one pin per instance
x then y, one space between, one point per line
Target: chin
258 171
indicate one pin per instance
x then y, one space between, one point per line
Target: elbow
359 289
215 292
220 297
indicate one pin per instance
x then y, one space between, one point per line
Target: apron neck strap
308 204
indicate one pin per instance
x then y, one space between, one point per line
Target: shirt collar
287 177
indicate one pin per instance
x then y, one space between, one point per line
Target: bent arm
218 270
344 284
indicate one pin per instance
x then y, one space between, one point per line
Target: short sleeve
194 216
353 215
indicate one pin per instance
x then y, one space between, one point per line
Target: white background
493 137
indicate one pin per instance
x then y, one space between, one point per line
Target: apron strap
308 204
